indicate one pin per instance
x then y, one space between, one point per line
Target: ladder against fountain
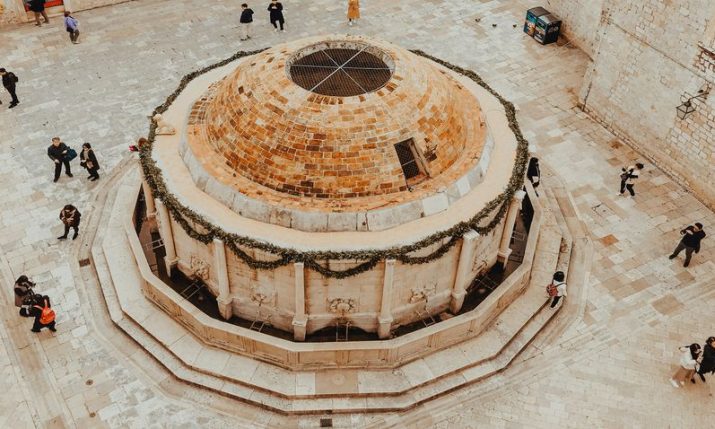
193 288
342 329
260 322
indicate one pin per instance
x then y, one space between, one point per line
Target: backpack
626 174
47 316
13 77
552 289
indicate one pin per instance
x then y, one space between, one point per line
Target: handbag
71 154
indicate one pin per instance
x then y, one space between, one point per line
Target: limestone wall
78 5
13 12
581 20
650 55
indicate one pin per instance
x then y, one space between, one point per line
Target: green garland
207 232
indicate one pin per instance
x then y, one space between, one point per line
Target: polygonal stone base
320 390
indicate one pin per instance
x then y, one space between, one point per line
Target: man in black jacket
246 21
692 235
58 154
707 364
8 81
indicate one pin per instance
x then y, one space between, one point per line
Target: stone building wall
581 20
648 57
79 5
13 12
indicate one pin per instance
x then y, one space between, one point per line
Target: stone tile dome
339 118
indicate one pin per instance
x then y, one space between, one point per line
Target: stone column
514 206
464 268
385 319
300 320
166 235
148 199
224 294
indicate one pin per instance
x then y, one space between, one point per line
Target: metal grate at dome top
340 72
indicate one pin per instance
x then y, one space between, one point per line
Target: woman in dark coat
533 173
708 362
276 14
38 7
70 217
89 161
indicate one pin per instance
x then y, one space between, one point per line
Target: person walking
533 173
72 27
23 290
557 288
70 216
9 80
38 7
246 21
276 14
688 362
353 11
707 364
692 235
89 161
628 177
58 153
43 313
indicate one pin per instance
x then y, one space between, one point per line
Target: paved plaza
605 366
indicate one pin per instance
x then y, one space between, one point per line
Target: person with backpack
23 290
43 313
628 177
60 154
692 235
707 364
70 216
88 160
275 10
557 288
72 27
533 173
246 21
9 81
38 8
688 363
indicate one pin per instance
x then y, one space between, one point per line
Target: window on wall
410 161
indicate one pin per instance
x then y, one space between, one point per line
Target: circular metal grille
340 72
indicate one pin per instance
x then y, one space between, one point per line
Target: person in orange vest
353 11
43 313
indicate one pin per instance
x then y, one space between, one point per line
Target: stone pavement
609 369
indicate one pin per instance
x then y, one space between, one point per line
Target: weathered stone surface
640 73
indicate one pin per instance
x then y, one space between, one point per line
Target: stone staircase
249 380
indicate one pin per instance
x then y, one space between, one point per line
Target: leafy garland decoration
199 228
